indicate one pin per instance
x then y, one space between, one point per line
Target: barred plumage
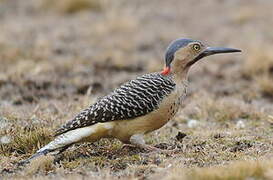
132 99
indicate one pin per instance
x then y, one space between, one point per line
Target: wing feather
133 99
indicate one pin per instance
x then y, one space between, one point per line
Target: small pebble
3 123
35 120
192 123
240 124
5 139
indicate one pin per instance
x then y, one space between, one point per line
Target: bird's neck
180 75
178 71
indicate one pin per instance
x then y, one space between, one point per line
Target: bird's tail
34 156
58 145
63 141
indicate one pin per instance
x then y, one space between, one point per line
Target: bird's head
183 53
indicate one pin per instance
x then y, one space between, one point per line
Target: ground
59 57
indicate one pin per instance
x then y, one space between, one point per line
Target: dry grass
241 170
259 60
259 65
221 110
42 164
25 141
266 84
73 6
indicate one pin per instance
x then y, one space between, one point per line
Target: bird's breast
170 105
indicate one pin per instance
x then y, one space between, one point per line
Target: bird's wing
132 99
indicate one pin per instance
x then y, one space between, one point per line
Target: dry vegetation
59 57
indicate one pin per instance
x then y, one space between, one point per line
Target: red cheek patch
166 71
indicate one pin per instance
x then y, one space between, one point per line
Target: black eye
196 47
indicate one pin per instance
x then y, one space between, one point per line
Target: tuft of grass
43 163
26 141
239 170
73 6
258 61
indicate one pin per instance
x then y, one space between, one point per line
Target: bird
138 106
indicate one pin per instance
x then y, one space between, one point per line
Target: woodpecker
139 106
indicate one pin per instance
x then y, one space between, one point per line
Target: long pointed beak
213 50
218 50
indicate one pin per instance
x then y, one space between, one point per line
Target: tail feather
62 142
34 156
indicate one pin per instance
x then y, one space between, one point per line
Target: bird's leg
138 140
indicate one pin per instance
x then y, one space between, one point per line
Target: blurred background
55 50
57 57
